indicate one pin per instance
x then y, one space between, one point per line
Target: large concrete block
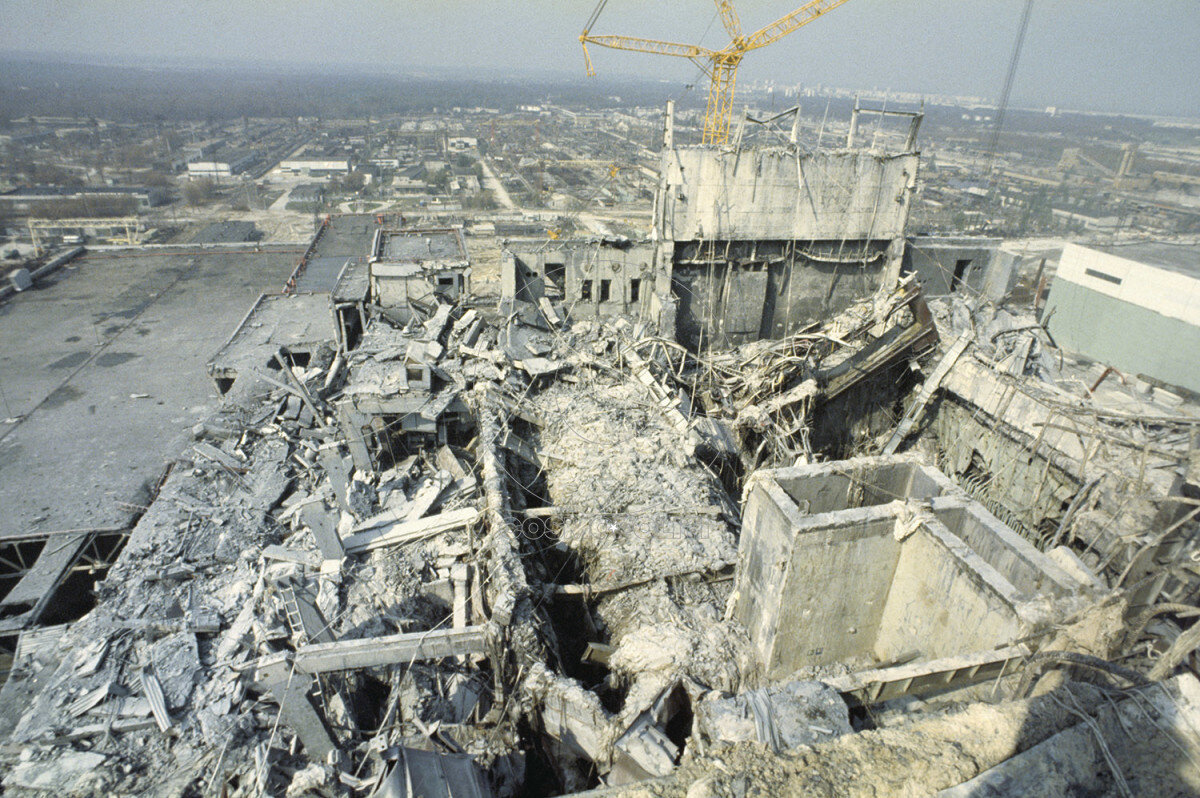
878 561
20 280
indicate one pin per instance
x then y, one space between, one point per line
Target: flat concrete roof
1181 258
420 246
347 236
321 274
102 375
297 321
354 282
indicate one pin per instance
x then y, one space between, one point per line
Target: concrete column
853 125
914 126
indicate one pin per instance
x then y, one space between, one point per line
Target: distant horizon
616 80
1079 54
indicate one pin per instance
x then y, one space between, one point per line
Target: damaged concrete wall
760 241
590 279
609 281
944 600
777 193
733 292
946 264
1018 448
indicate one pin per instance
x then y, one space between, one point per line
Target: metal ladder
292 610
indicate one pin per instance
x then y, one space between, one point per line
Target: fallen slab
408 531
373 652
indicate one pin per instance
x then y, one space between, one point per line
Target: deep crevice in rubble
77 594
15 559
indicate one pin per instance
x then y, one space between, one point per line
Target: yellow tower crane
720 65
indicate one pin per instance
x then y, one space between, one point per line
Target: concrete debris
374 652
158 702
66 773
426 774
782 716
567 543
407 531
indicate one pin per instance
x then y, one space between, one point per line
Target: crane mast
720 65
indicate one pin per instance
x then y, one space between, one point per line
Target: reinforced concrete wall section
883 560
760 241
780 193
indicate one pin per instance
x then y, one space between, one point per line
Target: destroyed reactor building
738 508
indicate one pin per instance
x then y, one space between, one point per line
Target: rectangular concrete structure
761 241
879 561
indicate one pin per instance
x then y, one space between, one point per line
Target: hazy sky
1136 55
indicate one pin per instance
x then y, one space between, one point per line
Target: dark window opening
635 289
414 373
295 359
605 290
1102 276
585 291
351 326
960 273
446 281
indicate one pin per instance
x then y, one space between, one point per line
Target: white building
1135 307
308 166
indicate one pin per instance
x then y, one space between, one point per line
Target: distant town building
32 200
308 192
224 165
1100 221
316 166
202 149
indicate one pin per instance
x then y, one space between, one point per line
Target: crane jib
720 65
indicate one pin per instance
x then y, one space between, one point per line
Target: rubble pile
763 399
266 541
498 551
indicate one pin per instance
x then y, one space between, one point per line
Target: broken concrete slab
408 531
324 529
783 716
292 692
390 650
66 773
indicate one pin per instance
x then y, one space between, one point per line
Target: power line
1004 94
